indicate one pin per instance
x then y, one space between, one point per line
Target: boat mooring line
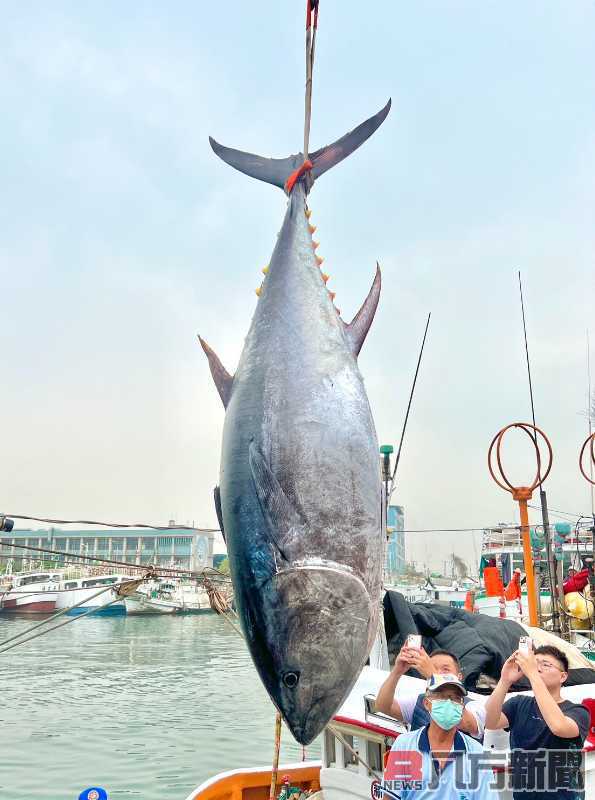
65 610
275 768
61 624
54 616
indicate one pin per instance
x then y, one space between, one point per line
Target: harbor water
146 707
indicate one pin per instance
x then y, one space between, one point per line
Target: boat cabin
88 583
40 581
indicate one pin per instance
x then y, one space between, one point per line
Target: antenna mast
553 578
398 458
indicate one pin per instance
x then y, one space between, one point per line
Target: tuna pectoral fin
278 170
223 380
284 523
358 328
217 498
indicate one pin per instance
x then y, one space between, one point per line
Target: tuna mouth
317 633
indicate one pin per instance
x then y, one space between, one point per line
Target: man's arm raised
495 719
386 702
558 723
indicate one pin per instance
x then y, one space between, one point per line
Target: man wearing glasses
546 732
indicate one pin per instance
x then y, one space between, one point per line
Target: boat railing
510 538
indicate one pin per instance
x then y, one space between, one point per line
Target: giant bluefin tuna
299 499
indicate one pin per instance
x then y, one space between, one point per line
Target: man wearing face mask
540 723
438 762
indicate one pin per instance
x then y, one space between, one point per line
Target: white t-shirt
475 707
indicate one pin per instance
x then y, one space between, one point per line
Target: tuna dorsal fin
358 328
223 380
284 522
217 498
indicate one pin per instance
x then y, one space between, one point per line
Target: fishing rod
398 457
590 418
552 568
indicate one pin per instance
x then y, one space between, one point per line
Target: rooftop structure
171 547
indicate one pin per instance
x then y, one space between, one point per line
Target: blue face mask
446 713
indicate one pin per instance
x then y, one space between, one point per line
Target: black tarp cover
481 643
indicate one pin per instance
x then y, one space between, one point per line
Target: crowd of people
442 756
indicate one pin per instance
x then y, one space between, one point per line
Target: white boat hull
24 602
99 605
141 604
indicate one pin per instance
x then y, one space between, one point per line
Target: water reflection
146 707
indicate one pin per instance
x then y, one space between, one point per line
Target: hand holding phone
525 644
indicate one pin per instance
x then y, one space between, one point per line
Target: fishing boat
139 603
169 597
194 599
80 595
505 544
31 593
355 747
153 598
503 547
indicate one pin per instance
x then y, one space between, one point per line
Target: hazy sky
122 236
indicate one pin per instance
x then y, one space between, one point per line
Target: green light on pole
385 451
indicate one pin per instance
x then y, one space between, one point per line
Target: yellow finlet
312 229
319 260
258 291
265 270
325 277
315 244
308 213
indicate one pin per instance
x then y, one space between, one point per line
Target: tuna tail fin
278 170
332 154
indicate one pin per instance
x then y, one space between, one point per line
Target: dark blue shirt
540 759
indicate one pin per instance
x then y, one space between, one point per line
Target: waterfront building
395 549
170 547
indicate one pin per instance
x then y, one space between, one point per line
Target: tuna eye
290 679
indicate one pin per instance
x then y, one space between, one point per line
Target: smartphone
525 644
414 641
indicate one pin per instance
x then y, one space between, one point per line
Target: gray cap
436 682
